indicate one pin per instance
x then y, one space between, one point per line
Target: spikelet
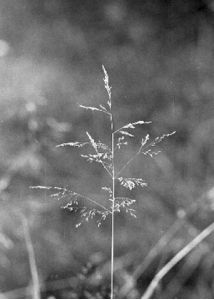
73 144
101 109
107 86
131 183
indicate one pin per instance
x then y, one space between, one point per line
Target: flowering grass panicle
105 156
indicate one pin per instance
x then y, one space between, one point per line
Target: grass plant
106 155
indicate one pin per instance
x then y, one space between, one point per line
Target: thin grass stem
178 257
32 259
113 206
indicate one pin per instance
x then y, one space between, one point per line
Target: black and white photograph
107 149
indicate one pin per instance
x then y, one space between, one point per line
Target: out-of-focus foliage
159 56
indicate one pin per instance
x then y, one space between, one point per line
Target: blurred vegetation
159 56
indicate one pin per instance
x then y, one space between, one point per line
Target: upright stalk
112 209
32 259
105 155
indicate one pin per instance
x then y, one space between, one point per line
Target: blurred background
159 56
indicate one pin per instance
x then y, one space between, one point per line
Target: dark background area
159 56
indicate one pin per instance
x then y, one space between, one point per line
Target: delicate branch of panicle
124 133
131 183
131 126
105 158
147 149
63 193
100 109
107 86
75 203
